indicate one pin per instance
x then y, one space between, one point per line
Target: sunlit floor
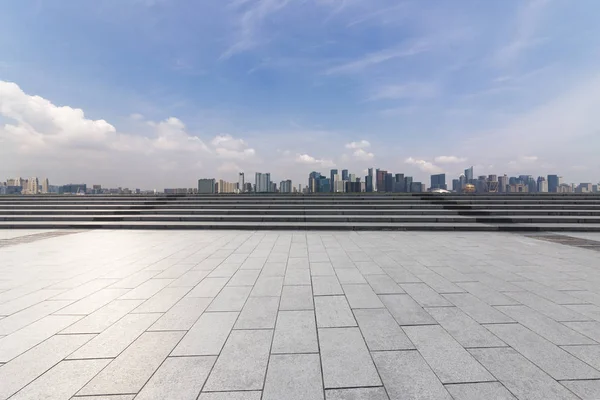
220 315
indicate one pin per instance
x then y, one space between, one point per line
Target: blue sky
158 93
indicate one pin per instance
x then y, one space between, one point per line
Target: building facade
206 186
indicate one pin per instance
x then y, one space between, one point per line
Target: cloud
449 160
235 154
362 155
525 32
362 144
229 142
378 57
249 22
310 160
424 166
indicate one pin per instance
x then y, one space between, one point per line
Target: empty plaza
232 315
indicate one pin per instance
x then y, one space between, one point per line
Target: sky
159 93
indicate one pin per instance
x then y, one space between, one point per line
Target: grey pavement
297 315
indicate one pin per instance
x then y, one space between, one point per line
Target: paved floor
118 315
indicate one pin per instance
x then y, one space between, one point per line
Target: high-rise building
542 185
285 186
469 174
553 183
389 182
248 187
456 185
332 179
338 184
416 187
45 186
313 179
33 185
408 181
345 176
438 181
370 181
206 186
262 182
503 184
399 186
241 182
227 187
381 174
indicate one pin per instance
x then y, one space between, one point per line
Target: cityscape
337 181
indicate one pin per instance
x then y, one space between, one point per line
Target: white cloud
229 142
449 160
363 155
379 57
310 160
234 154
362 144
424 166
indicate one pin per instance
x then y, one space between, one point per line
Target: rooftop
220 315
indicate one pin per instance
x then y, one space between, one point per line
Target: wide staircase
422 211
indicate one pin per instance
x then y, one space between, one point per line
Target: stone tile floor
223 315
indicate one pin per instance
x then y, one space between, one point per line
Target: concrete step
303 226
510 219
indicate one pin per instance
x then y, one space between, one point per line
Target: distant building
73 188
456 185
206 186
263 182
353 187
584 188
553 183
438 182
565 188
518 188
408 181
285 186
381 174
45 186
332 178
370 183
542 185
227 187
469 174
389 182
503 184
416 187
241 182
345 176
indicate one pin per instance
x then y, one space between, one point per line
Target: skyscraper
332 175
503 184
206 186
399 184
263 182
313 185
542 185
285 186
408 180
553 183
469 174
241 182
389 182
345 175
438 181
45 186
381 180
369 182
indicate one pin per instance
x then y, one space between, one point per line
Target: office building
469 174
408 181
438 182
206 186
285 186
389 182
456 185
73 188
399 184
503 184
248 187
33 185
416 187
332 178
542 185
345 176
241 182
553 183
45 186
262 182
227 187
369 182
584 188
313 182
381 174
518 188
338 184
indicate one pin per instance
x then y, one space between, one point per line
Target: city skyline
375 180
157 93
